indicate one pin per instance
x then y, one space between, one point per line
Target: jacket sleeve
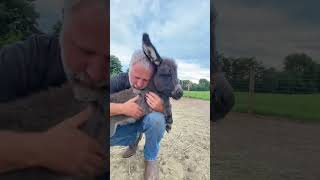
119 82
29 66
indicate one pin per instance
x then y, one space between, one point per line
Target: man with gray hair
36 64
152 125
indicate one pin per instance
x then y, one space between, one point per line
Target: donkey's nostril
181 92
178 94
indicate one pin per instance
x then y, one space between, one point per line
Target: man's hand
132 109
66 149
155 102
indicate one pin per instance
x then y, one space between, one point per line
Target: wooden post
251 91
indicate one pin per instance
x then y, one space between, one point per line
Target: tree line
300 74
203 85
18 20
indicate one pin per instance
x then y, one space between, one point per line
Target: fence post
251 90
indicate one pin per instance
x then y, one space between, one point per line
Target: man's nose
140 83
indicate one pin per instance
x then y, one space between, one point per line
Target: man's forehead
89 28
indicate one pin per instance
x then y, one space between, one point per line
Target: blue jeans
152 125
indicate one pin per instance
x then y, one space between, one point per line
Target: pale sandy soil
184 152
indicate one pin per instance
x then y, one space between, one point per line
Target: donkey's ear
149 50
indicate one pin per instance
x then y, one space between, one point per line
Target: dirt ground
265 148
247 147
184 152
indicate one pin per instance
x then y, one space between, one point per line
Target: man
34 65
152 125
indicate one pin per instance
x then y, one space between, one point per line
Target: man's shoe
151 171
132 149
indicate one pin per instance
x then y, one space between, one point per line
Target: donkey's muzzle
177 93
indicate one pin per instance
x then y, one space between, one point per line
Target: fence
286 85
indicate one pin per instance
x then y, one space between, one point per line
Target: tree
301 70
17 20
240 71
204 85
186 84
298 63
268 81
115 65
318 76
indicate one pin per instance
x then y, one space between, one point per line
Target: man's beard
83 87
85 91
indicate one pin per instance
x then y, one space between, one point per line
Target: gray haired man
34 65
152 125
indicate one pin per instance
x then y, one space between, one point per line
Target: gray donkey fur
30 115
164 83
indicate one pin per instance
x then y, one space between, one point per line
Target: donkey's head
165 79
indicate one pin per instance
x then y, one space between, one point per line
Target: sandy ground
184 152
265 148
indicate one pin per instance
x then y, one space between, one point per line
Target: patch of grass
205 95
304 107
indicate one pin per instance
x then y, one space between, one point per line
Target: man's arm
119 82
83 156
116 109
129 108
18 150
29 66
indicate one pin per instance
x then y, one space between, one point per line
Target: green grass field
304 107
205 95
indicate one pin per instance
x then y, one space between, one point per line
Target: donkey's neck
151 87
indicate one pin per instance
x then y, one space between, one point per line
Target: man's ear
150 51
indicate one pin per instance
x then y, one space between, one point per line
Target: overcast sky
50 12
268 29
178 29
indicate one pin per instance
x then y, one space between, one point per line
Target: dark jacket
30 66
119 82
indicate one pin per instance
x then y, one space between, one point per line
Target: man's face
139 76
86 46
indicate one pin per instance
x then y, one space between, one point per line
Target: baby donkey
164 83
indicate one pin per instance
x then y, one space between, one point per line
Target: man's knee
155 120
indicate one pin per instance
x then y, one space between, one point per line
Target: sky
268 29
178 29
50 12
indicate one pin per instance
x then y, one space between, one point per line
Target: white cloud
176 29
192 71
